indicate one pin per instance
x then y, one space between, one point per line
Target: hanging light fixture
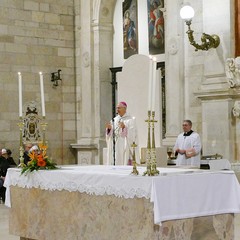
208 41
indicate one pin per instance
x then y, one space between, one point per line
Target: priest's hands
121 125
188 152
180 151
108 126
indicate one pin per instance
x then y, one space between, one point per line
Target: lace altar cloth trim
98 180
94 179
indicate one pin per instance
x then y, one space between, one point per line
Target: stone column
174 71
86 148
94 33
217 99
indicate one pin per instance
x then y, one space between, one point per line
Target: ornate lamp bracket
207 41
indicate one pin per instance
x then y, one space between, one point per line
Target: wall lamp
55 77
208 41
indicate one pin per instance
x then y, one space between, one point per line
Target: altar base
61 215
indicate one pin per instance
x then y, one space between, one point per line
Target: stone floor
4 228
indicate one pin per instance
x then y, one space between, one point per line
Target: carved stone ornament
172 46
232 68
236 109
85 59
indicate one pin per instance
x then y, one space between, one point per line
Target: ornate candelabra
148 153
44 127
21 149
154 170
151 151
134 171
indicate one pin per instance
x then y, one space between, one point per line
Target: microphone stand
114 142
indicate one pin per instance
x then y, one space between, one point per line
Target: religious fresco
156 26
130 28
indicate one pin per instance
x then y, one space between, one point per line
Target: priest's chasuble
124 138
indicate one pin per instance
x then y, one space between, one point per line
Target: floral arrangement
39 160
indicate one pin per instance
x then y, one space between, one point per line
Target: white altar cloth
176 193
219 164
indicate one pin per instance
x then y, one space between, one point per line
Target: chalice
169 152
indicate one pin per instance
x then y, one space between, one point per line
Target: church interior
65 65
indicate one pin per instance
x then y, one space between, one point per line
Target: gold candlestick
148 153
154 170
44 127
134 171
21 149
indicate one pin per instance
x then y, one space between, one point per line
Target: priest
188 146
121 133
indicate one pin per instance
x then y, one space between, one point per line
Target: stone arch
103 11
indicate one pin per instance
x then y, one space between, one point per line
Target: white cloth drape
176 193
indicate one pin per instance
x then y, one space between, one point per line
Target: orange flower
32 155
42 146
41 162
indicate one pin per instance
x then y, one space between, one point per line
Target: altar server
121 132
188 146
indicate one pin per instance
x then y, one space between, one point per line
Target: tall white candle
42 94
154 84
20 93
150 83
159 79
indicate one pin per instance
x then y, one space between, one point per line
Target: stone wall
38 36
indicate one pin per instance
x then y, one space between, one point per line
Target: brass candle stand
44 127
21 149
148 153
151 151
154 170
134 171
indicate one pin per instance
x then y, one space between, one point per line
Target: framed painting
156 26
130 28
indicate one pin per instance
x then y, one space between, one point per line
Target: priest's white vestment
124 138
190 142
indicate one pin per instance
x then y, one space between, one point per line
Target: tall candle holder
134 171
21 149
148 153
44 127
154 170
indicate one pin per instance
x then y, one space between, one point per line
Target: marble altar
58 211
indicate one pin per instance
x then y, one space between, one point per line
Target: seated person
34 149
6 161
10 158
27 148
